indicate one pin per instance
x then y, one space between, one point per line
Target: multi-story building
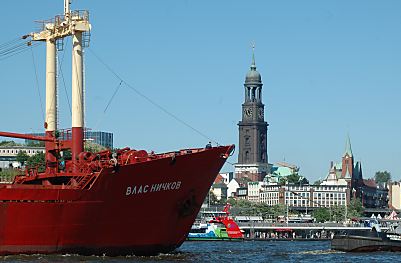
8 154
395 195
254 189
349 174
303 197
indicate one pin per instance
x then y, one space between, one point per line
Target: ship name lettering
142 189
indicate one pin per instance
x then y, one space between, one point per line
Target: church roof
348 149
253 76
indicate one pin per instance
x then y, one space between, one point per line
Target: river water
247 251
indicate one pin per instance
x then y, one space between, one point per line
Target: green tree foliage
293 178
322 214
382 177
355 208
37 160
93 147
35 144
282 181
318 182
22 157
337 213
232 201
211 198
278 210
7 175
8 143
303 181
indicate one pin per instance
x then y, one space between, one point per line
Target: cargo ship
117 202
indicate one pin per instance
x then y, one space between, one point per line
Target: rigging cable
151 101
17 51
37 85
108 104
62 77
9 43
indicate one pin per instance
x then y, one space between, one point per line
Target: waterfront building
348 173
270 194
303 197
242 192
395 195
227 177
232 187
220 191
252 155
8 154
254 189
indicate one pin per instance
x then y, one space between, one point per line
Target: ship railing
41 24
80 15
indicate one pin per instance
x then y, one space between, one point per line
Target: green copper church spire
348 149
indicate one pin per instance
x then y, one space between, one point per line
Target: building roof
253 76
348 149
219 179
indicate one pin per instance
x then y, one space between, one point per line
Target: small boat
375 239
219 228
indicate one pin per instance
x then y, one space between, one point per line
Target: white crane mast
71 23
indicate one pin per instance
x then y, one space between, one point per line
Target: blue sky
328 67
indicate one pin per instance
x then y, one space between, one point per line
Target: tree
211 198
37 160
35 144
22 157
338 213
282 181
355 208
293 178
382 177
8 143
93 147
322 214
303 181
279 210
232 201
318 182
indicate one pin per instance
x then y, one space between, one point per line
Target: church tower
252 156
347 161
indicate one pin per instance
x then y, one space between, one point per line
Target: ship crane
75 24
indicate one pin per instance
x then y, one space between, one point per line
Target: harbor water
220 251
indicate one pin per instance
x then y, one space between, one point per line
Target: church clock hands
248 112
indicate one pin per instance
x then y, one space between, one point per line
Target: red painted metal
133 202
51 159
77 142
27 136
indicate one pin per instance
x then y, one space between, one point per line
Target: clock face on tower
248 112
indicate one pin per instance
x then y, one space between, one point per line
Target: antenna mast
67 4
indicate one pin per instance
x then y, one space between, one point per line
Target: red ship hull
141 208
